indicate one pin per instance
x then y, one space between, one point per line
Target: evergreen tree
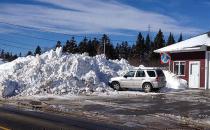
90 48
159 40
71 46
7 56
2 54
117 50
140 46
83 45
38 50
29 53
147 44
58 44
20 54
14 57
95 44
124 50
180 38
170 39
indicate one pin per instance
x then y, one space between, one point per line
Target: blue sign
165 58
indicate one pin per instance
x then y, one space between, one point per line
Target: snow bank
173 82
54 73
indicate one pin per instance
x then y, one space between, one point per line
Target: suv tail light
158 79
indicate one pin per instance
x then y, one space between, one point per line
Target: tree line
140 52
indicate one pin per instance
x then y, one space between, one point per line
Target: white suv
147 79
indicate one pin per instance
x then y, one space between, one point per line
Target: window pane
176 68
140 74
151 73
182 66
130 74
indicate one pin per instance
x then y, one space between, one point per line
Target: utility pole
149 27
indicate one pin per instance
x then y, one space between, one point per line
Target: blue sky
121 19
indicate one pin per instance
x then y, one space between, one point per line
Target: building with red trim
190 60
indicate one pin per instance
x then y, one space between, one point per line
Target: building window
179 68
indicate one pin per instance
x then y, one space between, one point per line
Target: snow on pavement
54 73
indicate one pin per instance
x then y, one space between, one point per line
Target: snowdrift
54 73
173 82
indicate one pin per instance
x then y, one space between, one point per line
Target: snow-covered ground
55 74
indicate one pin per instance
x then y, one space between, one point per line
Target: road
182 110
18 119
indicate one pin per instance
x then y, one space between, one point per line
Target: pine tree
95 44
29 53
147 44
38 51
117 50
140 46
124 50
170 39
71 46
58 44
159 40
180 38
90 48
83 45
13 57
2 54
20 54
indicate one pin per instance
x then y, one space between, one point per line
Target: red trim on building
190 56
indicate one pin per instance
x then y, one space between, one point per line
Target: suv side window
151 73
130 74
140 74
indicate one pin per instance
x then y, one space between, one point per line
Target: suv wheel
147 87
116 86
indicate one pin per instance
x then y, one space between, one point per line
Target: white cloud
91 16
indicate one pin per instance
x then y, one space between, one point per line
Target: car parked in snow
147 79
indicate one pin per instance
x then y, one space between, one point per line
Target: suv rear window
151 73
160 73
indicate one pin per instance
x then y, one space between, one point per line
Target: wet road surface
183 110
18 119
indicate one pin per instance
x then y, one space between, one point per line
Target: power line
35 37
5 40
38 29
3 44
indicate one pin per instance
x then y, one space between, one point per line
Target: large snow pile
54 73
57 74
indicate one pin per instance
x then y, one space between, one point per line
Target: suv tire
147 87
116 86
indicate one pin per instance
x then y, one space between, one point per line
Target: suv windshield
160 73
130 74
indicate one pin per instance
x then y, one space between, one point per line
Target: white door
194 74
138 79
